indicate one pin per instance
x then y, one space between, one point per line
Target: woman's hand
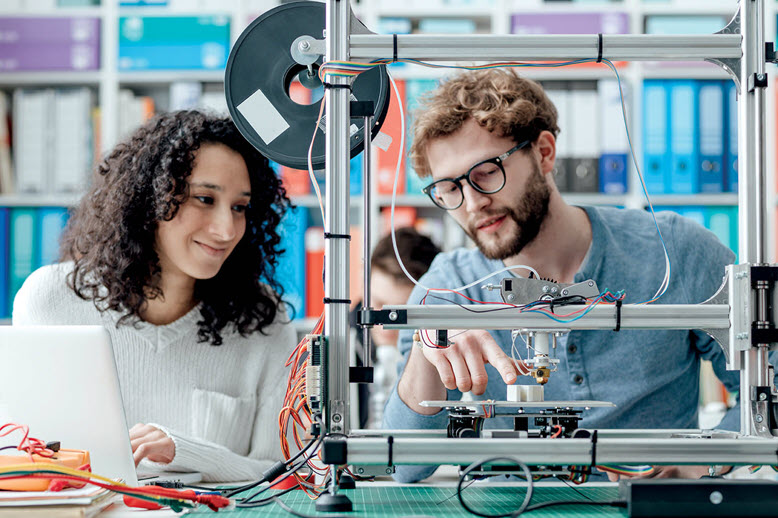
149 442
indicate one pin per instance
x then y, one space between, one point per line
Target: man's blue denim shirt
652 376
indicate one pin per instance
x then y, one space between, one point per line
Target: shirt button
578 379
572 348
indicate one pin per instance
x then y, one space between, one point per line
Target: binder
656 150
722 221
6 169
585 139
560 99
614 145
414 89
386 161
355 175
23 250
732 137
51 224
5 308
712 135
290 271
314 266
72 152
32 135
684 137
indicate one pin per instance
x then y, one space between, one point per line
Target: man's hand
666 472
462 364
149 442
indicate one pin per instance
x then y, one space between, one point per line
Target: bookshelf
110 79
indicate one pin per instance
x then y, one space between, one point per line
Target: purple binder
49 56
572 23
37 30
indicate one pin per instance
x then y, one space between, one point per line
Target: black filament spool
261 67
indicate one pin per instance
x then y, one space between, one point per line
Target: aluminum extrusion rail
633 316
490 47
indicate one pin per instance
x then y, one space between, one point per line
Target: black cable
265 501
247 501
8 448
231 491
478 464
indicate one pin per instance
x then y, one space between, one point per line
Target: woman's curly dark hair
111 234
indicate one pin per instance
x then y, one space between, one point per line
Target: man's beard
529 214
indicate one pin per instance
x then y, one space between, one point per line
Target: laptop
62 382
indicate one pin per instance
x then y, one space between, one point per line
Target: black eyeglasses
486 177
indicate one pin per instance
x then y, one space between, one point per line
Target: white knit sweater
219 404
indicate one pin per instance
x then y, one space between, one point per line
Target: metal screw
565 292
591 283
304 45
511 296
337 429
393 316
388 471
336 418
762 396
554 290
758 418
716 498
545 289
361 471
742 336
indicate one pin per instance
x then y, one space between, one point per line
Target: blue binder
684 137
712 135
355 175
5 308
613 174
414 89
23 243
656 149
291 264
722 221
614 146
731 147
51 222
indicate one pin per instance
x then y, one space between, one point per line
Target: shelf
686 7
45 78
698 70
39 200
427 12
405 200
74 12
159 77
311 201
725 198
594 198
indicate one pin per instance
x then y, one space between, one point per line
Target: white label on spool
382 141
263 117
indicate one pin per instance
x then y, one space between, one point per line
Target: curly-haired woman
174 250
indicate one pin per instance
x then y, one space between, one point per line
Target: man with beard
487 140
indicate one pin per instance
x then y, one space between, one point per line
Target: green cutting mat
417 501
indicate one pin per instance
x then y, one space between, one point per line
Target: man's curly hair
497 99
111 235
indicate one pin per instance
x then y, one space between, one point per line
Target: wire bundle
295 416
175 499
28 444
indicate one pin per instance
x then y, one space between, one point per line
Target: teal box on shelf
173 42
